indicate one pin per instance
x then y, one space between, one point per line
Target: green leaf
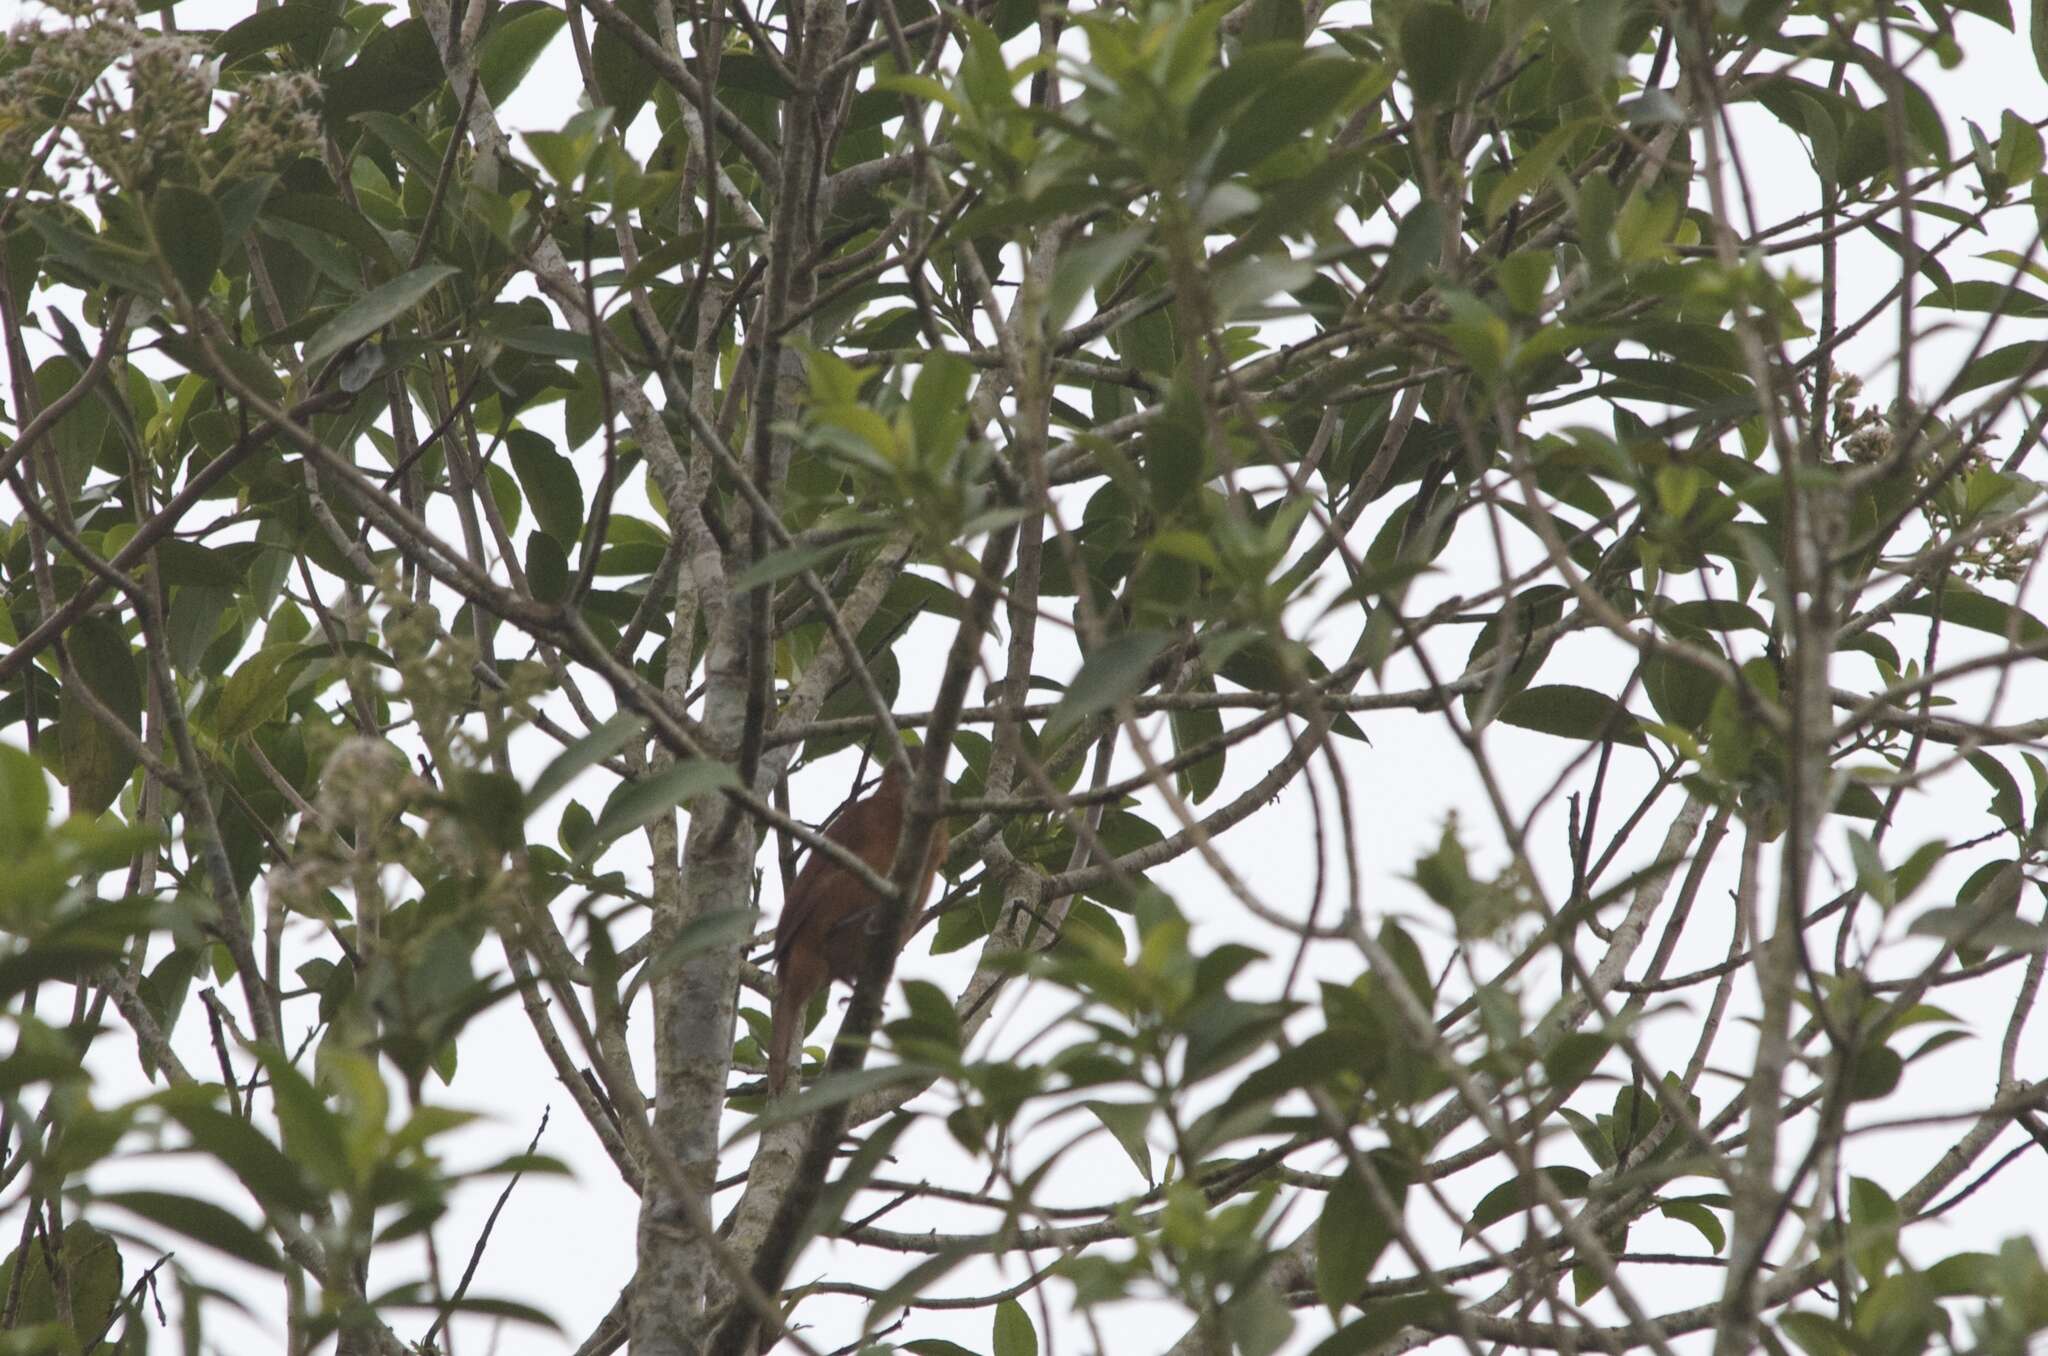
636 802
1014 1335
183 562
1082 267
1873 1228
1353 1231
271 1175
91 1266
1682 693
2024 360
299 23
505 494
779 565
600 744
2020 155
1258 1320
1589 1136
312 1132
255 694
405 140
414 1295
1700 1217
1127 1123
1507 635
397 68
1107 676
547 567
567 154
547 342
1573 1058
24 803
1384 1320
1313 90
83 430
1517 1194
1443 50
708 932
373 311
1818 1335
2006 806
74 946
833 1089
188 230
202 1221
1572 712
1191 729
1533 168
624 79
1971 930
518 35
549 482
333 217
938 399
1418 245
92 255
97 761
1963 606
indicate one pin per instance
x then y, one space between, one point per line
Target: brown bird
829 915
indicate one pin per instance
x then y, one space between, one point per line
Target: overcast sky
567 1245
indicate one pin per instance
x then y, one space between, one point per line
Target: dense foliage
436 545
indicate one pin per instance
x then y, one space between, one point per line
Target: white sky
567 1245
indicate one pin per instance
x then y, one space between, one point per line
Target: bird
830 914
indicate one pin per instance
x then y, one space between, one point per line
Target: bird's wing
823 880
813 885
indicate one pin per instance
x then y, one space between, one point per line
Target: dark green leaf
518 35
1700 1217
270 1174
1385 1319
1107 676
547 567
1963 606
624 79
1312 90
636 802
1445 50
300 23
312 1132
1353 1231
1014 1335
1517 1194
600 744
2006 806
396 69
1127 1123
376 309
1192 729
190 234
1873 1228
1573 713
405 140
551 488
97 760
201 1221
91 1267
24 803
2023 361
779 565
1818 1335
